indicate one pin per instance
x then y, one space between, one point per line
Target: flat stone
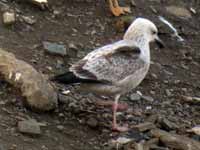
180 12
167 125
29 127
54 48
144 126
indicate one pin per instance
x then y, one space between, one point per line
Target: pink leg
115 126
121 107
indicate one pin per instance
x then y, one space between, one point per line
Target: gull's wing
109 64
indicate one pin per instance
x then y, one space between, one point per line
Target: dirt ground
79 124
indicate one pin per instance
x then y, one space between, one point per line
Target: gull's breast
132 81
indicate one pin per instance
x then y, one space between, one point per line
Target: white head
143 29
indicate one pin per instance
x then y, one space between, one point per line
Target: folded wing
111 66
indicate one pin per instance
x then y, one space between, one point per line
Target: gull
117 68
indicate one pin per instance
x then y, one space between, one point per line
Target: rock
135 97
175 141
152 92
29 20
195 130
9 18
133 3
57 13
92 122
59 64
153 75
13 147
167 125
63 99
122 140
144 126
61 115
136 135
73 50
153 10
2 147
155 147
60 127
168 92
66 92
54 48
29 127
147 98
41 3
157 1
4 6
193 11
180 12
36 90
152 118
151 142
139 146
189 99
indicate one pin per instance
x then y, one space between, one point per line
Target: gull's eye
154 32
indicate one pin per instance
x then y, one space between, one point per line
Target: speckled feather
109 64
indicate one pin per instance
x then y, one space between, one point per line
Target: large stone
179 12
38 92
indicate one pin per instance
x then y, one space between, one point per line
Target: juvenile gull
117 68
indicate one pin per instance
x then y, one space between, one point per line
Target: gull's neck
143 43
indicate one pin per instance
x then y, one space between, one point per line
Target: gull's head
143 29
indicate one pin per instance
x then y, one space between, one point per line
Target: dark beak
159 42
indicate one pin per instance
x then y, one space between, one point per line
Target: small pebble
92 122
135 97
60 127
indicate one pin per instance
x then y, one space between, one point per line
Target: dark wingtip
66 78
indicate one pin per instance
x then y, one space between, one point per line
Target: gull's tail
71 78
